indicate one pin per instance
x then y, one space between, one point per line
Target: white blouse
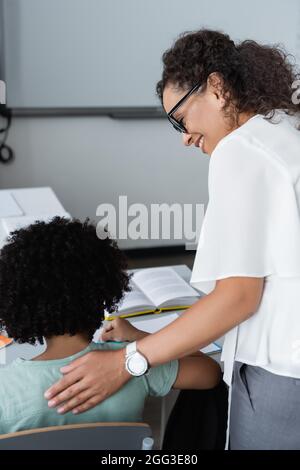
251 228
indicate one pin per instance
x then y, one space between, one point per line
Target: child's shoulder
9 368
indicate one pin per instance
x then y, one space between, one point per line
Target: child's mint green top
23 383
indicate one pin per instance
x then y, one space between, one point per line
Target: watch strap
131 349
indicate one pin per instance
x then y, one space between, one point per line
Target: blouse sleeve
251 225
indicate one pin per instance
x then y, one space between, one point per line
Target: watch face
137 364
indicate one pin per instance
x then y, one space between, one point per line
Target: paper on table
38 201
9 206
211 348
15 223
152 325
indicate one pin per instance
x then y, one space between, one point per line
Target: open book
154 290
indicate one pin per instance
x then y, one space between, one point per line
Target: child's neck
59 347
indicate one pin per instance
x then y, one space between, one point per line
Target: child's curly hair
58 278
255 77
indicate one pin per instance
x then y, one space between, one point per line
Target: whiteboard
106 54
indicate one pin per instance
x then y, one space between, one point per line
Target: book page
134 301
165 287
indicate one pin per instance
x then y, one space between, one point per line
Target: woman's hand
121 330
95 376
88 381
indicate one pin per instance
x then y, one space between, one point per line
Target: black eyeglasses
176 124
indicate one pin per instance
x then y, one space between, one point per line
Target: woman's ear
215 84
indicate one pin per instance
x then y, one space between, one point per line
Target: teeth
201 142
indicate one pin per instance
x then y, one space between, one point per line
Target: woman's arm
231 302
97 375
195 372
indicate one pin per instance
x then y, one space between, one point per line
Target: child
56 280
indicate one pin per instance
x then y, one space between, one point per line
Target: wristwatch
136 364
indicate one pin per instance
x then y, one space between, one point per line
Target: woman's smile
199 142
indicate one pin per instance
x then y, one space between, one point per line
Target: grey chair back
93 436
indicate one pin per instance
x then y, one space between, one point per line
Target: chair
92 436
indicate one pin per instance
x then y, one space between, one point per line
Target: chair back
92 436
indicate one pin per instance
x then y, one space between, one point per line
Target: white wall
107 53
91 160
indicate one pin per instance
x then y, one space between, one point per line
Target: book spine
135 314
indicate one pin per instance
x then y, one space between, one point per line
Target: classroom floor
150 258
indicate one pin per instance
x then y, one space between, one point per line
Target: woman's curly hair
255 77
57 278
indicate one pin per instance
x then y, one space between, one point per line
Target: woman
235 103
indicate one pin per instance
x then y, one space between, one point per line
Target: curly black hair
57 278
255 77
